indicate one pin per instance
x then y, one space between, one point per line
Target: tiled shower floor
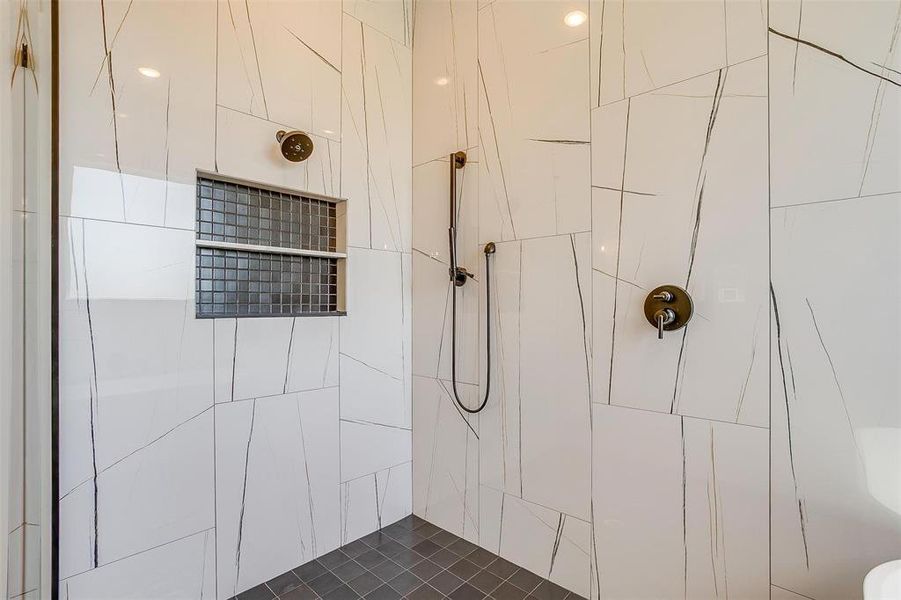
409 559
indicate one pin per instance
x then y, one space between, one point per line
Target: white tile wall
665 142
263 426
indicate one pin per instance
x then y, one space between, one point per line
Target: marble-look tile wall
202 457
731 148
506 81
835 108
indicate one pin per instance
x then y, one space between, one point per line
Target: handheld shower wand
459 276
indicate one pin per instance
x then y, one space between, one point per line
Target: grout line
660 412
818 202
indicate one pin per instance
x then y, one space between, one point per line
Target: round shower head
296 146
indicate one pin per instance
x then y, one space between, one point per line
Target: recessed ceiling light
575 18
442 81
149 72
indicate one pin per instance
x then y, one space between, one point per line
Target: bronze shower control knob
668 308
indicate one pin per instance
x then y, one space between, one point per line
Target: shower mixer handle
459 275
664 317
668 308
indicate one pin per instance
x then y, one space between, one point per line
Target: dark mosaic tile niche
233 283
245 282
409 559
230 212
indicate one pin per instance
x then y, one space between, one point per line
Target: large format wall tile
680 198
246 147
255 42
393 18
377 138
372 501
552 544
835 390
835 101
129 506
533 121
271 356
375 334
136 363
445 79
680 506
536 437
185 568
276 485
358 438
641 45
129 144
446 457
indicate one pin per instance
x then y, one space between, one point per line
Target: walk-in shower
458 276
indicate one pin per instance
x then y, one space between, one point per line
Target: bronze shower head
296 146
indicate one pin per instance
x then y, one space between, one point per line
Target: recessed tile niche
264 251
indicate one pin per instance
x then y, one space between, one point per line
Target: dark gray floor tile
284 583
371 558
427 548
425 570
502 568
341 592
260 592
376 538
303 592
333 559
445 582
365 583
444 538
462 547
390 548
408 538
387 570
427 530
464 569
349 570
466 592
481 557
310 570
407 558
355 548
405 583
549 591
395 529
425 592
508 591
525 580
444 558
409 522
323 584
485 581
383 592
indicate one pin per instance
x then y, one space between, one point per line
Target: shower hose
488 254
